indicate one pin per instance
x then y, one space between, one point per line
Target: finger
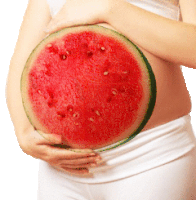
80 171
76 154
81 150
82 161
88 165
54 155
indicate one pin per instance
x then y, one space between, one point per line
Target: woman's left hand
80 12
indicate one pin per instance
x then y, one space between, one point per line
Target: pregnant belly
173 100
92 96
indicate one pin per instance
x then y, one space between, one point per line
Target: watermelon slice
89 84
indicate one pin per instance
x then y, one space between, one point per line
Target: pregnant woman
160 162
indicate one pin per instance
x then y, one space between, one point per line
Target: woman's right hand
75 161
36 18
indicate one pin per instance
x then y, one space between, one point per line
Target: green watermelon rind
152 80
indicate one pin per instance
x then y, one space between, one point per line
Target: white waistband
149 149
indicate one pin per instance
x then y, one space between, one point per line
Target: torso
173 99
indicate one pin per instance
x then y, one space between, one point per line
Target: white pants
137 172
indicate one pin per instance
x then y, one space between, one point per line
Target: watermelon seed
91 119
63 56
89 53
125 72
39 91
105 73
114 91
97 112
68 52
61 114
75 115
103 48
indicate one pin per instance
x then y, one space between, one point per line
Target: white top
161 7
55 6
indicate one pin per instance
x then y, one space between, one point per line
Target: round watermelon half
89 84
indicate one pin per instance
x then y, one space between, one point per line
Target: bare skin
163 41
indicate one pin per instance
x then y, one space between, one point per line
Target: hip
148 150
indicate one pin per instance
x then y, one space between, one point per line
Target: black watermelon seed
52 102
63 56
61 114
89 53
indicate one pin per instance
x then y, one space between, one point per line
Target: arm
171 40
36 18
31 33
168 39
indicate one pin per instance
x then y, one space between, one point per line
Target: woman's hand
80 12
69 160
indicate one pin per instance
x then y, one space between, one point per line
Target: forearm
31 33
171 40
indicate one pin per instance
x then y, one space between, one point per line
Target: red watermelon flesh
88 84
